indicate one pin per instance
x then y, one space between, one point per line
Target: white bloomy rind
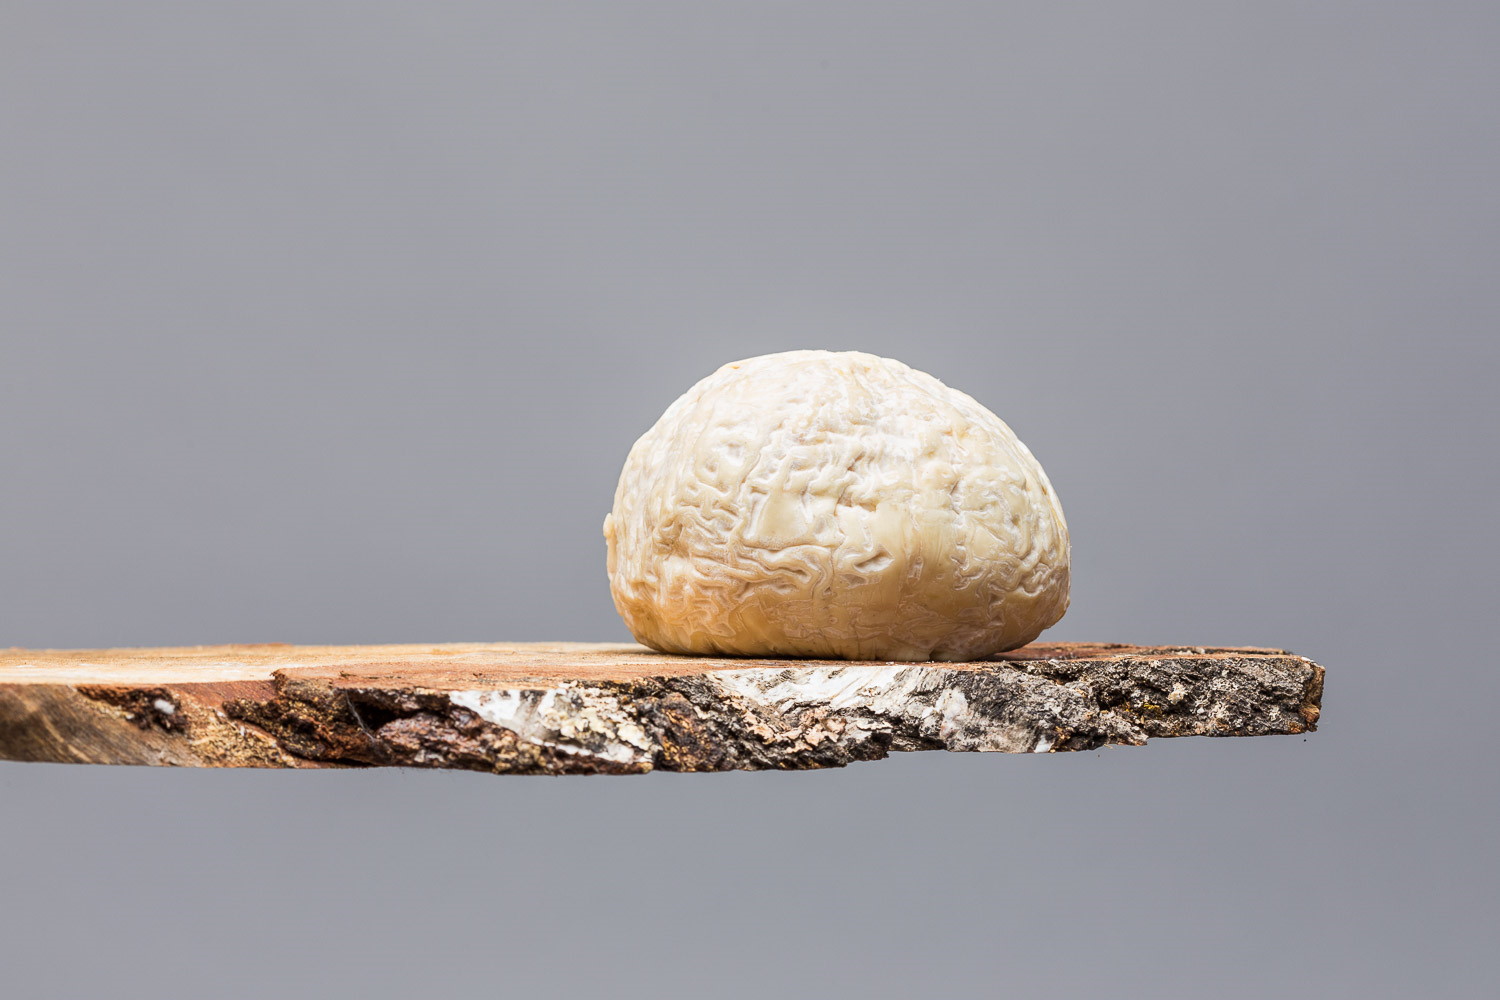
834 505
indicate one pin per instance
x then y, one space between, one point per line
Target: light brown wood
567 707
446 665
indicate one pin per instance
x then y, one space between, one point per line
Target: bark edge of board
598 708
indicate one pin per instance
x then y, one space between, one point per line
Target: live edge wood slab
584 708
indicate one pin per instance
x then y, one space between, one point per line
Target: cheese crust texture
837 505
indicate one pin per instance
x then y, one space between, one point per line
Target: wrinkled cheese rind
822 504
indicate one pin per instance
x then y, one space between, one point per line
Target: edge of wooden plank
569 708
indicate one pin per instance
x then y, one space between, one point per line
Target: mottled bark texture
580 708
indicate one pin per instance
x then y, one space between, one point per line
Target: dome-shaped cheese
826 504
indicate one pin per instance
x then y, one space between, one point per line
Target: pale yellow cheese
822 504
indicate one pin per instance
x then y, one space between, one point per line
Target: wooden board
566 707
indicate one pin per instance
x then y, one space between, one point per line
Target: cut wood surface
578 708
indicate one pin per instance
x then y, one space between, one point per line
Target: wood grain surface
569 707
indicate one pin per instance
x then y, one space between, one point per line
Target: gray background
333 323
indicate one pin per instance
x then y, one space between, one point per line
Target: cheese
834 505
